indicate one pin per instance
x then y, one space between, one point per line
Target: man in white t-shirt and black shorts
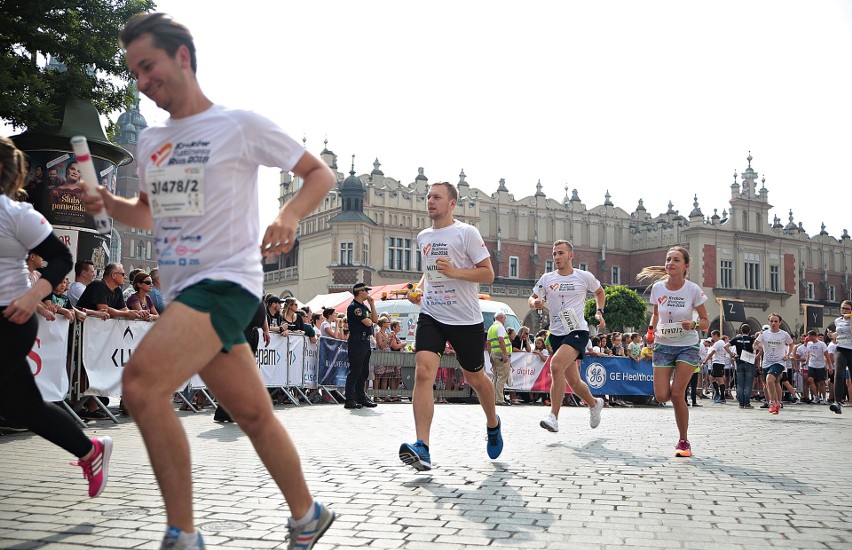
198 175
564 291
456 261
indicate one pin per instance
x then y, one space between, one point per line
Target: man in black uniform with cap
361 319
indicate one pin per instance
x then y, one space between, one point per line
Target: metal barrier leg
208 398
304 396
186 401
289 395
330 394
106 410
73 414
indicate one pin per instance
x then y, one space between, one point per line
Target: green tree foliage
83 35
624 308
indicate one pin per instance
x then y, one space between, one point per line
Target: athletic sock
722 391
715 388
308 517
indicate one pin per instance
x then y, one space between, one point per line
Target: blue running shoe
495 441
416 455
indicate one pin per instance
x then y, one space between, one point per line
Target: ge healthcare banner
603 375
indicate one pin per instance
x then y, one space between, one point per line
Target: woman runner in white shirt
676 299
843 328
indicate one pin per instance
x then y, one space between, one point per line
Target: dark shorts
787 375
231 308
468 341
775 369
718 370
819 375
577 339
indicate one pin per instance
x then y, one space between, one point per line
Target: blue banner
617 376
333 362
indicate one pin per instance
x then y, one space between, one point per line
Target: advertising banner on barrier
604 375
333 363
107 347
617 376
48 358
311 362
295 360
272 360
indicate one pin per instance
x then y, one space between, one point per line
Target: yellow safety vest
494 340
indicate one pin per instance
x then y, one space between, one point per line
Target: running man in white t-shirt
198 193
563 292
456 261
819 366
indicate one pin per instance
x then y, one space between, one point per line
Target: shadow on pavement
81 529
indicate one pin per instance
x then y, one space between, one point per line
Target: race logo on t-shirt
562 287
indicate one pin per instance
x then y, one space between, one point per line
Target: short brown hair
451 189
566 243
168 34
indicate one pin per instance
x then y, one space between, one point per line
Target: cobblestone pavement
755 480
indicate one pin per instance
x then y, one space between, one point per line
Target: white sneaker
550 423
595 413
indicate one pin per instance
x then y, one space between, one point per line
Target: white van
406 313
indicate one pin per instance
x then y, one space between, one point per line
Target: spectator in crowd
605 344
361 315
156 291
59 303
129 280
293 323
141 300
105 296
84 273
617 347
718 357
34 263
332 325
383 338
273 315
634 348
396 344
307 328
500 348
521 342
316 322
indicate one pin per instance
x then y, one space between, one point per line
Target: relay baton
87 170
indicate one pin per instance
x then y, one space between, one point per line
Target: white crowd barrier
48 358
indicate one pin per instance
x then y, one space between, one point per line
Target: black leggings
843 358
692 388
21 402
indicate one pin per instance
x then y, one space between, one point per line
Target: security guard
361 320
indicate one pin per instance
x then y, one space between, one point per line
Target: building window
616 275
832 295
584 267
548 265
399 254
727 274
752 271
365 254
775 278
810 291
513 267
347 250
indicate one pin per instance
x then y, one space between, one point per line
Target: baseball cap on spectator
359 287
765 327
273 300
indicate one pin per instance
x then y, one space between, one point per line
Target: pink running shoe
96 468
683 448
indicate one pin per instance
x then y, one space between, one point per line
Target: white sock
307 519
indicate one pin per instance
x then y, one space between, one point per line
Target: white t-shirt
200 174
75 292
816 355
703 351
22 228
720 354
325 325
775 346
451 301
843 326
566 299
674 306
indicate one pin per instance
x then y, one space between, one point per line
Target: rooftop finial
748 158
352 170
607 197
462 178
502 186
538 191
